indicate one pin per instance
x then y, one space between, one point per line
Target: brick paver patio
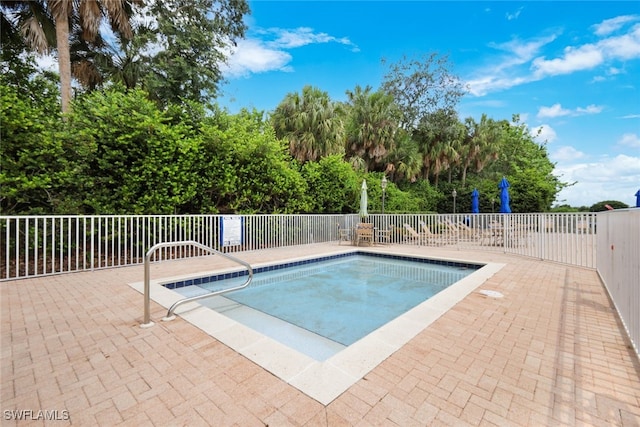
551 352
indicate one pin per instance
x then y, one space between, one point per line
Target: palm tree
93 64
405 161
36 19
480 144
32 20
439 135
310 123
372 123
89 14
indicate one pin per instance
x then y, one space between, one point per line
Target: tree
527 166
137 162
371 126
186 44
333 185
421 87
480 144
310 123
121 64
602 206
36 167
404 162
24 24
439 136
36 18
244 168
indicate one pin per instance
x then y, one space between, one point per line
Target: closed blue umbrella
475 201
504 195
638 199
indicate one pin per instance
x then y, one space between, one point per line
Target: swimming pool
322 306
321 380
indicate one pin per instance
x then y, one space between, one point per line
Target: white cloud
251 56
488 84
590 109
630 140
606 178
544 133
48 62
288 39
556 110
609 26
574 59
520 52
269 52
508 71
513 15
500 75
623 47
567 153
589 56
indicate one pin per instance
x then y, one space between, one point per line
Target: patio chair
384 236
365 233
428 235
344 235
465 232
412 235
450 231
493 235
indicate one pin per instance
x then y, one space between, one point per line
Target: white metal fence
41 245
618 250
567 237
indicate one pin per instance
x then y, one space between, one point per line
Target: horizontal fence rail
42 245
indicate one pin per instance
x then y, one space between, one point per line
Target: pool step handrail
170 316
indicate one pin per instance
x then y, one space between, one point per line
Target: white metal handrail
147 277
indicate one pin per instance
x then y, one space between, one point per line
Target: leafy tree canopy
310 123
186 44
334 186
422 86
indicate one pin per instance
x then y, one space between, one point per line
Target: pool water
323 307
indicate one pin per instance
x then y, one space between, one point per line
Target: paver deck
551 352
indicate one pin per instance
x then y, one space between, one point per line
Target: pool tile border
234 274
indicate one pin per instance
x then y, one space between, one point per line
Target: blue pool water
338 300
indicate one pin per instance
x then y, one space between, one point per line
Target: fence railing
568 238
618 250
41 245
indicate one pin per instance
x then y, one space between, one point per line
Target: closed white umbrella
363 200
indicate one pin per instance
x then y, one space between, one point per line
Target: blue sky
569 68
